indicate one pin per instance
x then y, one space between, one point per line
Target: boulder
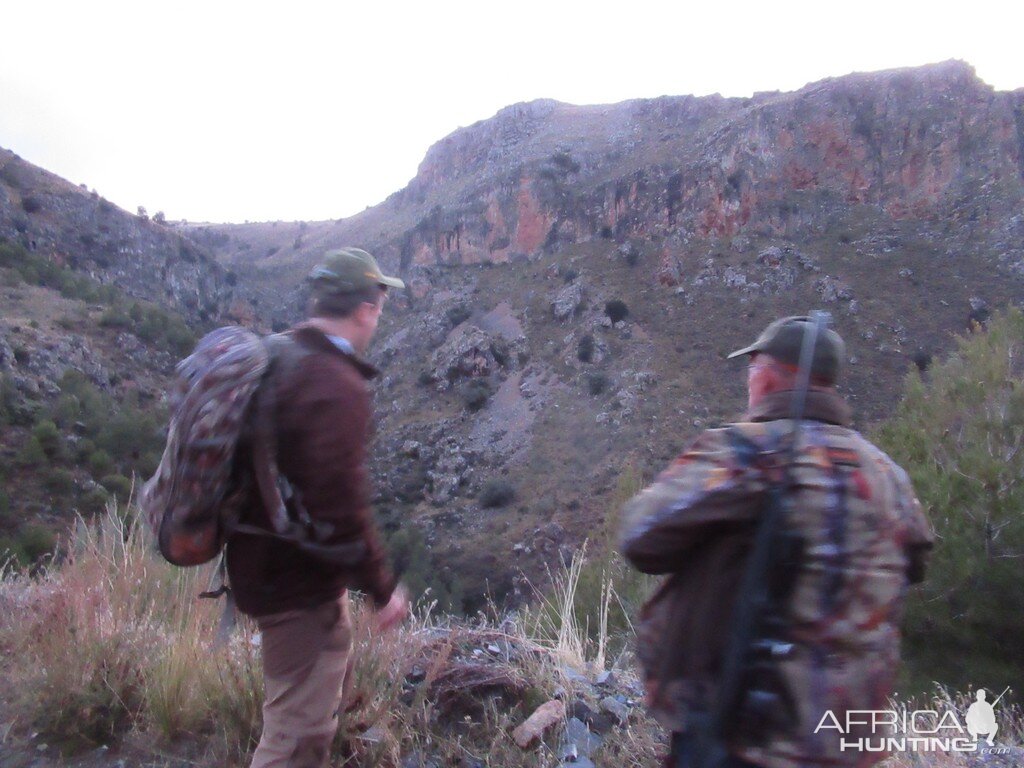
545 717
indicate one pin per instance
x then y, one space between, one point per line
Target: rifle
766 582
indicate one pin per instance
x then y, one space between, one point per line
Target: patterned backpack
191 502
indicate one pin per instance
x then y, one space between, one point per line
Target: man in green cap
298 595
863 538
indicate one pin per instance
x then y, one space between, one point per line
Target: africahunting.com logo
943 729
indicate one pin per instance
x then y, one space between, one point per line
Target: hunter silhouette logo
916 730
981 717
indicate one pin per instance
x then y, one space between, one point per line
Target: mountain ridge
930 142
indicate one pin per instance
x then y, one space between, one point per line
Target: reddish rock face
928 143
532 224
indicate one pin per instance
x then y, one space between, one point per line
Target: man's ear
365 311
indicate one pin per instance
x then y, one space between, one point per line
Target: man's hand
392 614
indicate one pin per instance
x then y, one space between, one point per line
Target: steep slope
577 275
73 227
930 144
96 306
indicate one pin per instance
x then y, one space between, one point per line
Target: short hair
339 305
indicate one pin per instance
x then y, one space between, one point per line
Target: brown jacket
864 537
322 415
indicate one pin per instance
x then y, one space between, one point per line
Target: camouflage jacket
864 540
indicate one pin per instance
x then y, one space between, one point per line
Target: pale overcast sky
228 111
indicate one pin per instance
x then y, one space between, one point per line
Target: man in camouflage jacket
864 538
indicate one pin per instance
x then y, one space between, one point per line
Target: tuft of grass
110 641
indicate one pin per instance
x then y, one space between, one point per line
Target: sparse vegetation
113 641
597 383
616 310
458 314
496 493
475 394
585 348
150 323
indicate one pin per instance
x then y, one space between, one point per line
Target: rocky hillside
96 306
933 144
577 275
73 227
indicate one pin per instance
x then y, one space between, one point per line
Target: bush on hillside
9 401
597 383
31 454
616 310
959 436
36 542
49 438
496 493
475 394
458 314
585 349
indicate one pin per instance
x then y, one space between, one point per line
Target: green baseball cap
347 270
784 338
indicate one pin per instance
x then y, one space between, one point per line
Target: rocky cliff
577 274
928 144
73 227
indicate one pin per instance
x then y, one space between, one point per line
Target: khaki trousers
305 655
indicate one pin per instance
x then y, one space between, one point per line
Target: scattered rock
578 741
568 301
832 289
536 725
618 709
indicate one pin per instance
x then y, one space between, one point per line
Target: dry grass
111 642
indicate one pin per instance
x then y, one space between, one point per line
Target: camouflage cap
783 339
347 270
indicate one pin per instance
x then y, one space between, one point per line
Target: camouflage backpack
193 502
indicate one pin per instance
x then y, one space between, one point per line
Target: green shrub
32 453
36 542
66 410
475 394
50 438
83 450
616 310
6 518
100 463
115 317
959 437
496 493
12 553
9 400
59 481
119 485
597 383
458 314
12 254
95 501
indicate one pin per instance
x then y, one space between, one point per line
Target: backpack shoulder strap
285 355
276 493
